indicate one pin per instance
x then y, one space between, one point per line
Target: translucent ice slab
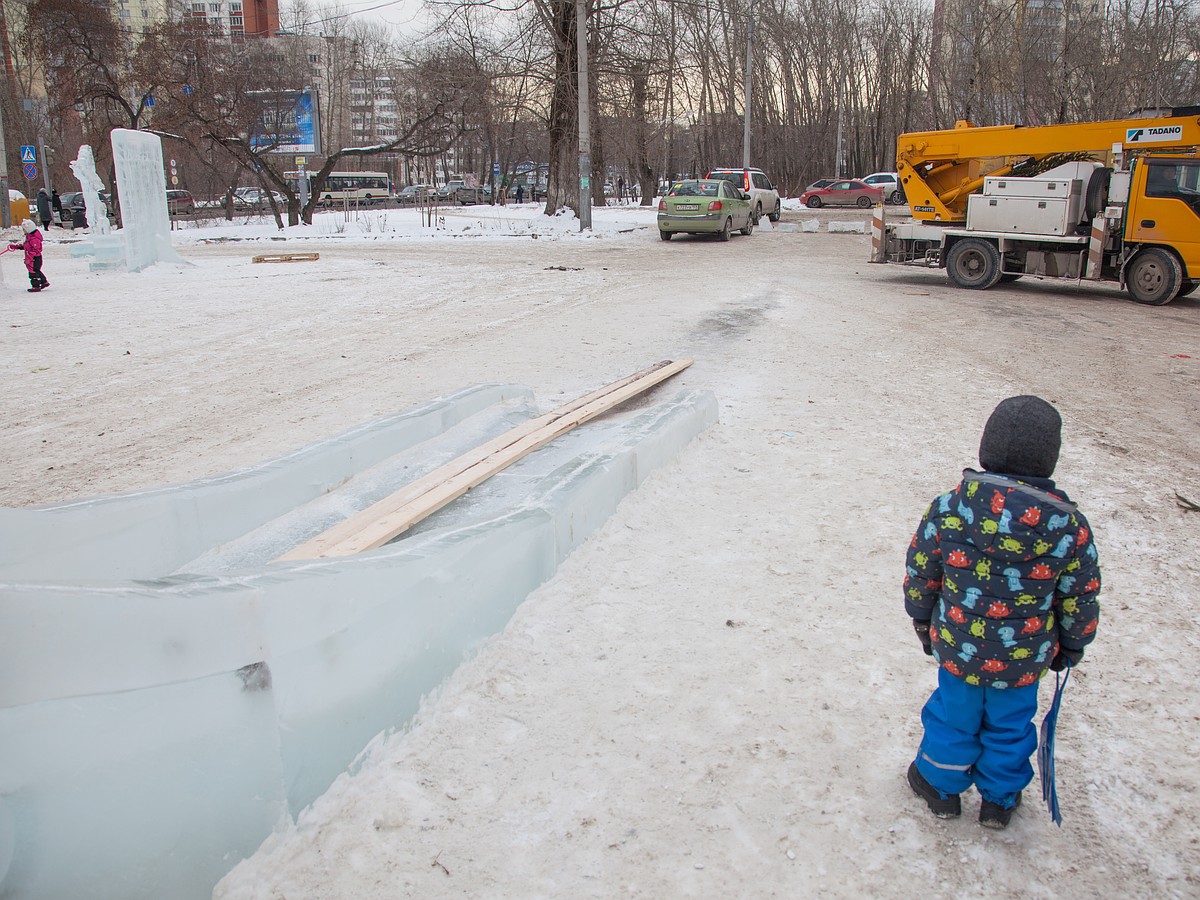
168 695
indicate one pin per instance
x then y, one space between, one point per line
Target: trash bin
78 217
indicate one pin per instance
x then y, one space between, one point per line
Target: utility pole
837 163
5 206
748 76
585 136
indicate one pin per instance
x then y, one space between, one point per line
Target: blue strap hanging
1045 753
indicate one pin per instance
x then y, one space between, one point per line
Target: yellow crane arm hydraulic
940 169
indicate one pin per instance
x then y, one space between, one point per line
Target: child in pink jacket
33 256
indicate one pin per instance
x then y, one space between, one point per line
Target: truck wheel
974 263
1154 277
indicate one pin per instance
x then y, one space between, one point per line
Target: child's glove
1064 656
922 630
14 246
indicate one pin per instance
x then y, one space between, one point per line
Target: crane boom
941 169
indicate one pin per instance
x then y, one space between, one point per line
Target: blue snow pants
980 735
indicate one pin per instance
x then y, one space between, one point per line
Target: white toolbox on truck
1026 206
1039 188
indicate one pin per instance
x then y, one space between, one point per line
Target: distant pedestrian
43 208
620 189
56 206
520 194
33 256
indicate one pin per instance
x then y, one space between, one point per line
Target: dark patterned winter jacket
1004 569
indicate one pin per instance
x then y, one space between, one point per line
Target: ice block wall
168 695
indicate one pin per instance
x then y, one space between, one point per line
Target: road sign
30 171
28 153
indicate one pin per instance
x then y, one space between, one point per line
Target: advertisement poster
289 123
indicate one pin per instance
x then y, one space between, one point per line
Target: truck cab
1162 219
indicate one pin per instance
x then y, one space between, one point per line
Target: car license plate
687 207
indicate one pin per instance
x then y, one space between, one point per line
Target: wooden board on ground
384 520
286 257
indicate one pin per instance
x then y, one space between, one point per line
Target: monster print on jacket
1004 569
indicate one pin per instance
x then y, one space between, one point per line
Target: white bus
356 187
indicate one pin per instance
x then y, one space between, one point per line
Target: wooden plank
286 257
345 529
381 521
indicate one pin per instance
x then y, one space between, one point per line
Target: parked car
74 209
459 192
709 206
843 193
763 195
890 182
417 193
180 202
256 198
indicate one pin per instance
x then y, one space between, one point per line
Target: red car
848 192
180 202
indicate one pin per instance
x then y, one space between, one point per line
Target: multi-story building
237 18
1004 62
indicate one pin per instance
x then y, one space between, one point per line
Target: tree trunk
562 187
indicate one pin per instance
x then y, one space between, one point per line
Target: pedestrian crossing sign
28 153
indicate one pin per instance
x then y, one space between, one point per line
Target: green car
709 206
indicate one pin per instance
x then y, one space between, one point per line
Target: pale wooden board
381 521
286 257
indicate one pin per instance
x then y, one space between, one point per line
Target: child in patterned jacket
1002 583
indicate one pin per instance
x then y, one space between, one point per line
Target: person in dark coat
520 193
56 205
43 208
1002 583
32 246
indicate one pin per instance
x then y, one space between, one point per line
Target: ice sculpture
84 168
142 189
168 696
106 249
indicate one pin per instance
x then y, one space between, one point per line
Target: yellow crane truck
1115 201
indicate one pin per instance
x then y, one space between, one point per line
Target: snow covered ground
718 694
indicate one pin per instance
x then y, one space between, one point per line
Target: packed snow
718 693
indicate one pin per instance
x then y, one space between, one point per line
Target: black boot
950 808
993 815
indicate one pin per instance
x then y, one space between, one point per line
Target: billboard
289 122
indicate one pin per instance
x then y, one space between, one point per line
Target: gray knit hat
1022 437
